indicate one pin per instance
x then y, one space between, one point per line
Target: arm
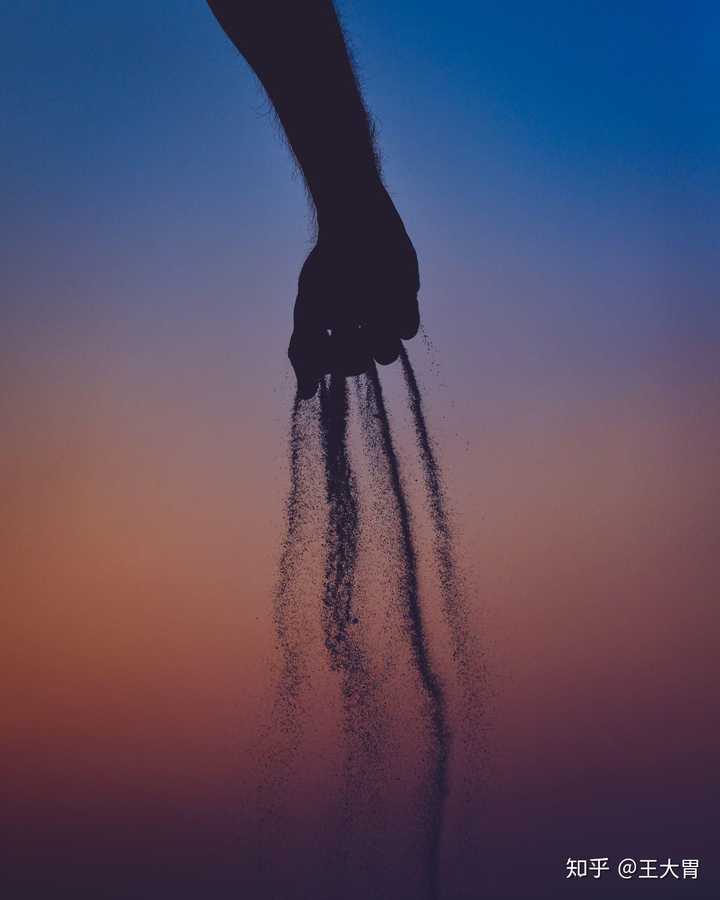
296 49
360 280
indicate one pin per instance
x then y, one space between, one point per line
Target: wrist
352 201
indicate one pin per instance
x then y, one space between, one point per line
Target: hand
357 293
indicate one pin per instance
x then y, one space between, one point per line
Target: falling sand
344 631
342 620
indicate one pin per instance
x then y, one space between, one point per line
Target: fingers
349 349
392 322
384 346
396 314
408 319
307 387
308 353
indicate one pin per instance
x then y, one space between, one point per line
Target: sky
557 166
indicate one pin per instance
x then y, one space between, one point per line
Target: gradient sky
558 167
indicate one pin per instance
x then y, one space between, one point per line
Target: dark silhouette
357 291
356 302
344 618
376 427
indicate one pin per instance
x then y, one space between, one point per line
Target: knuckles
356 300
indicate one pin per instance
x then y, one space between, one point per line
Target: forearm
298 52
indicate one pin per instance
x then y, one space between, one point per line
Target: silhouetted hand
357 292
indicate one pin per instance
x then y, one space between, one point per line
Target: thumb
308 352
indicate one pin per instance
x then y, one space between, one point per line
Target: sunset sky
558 168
